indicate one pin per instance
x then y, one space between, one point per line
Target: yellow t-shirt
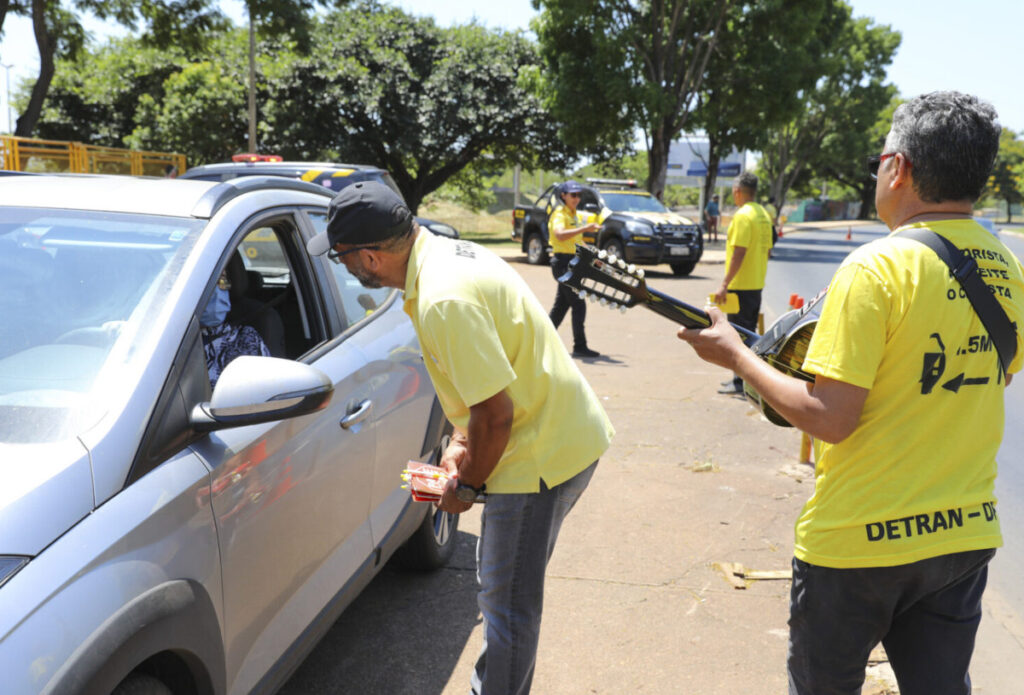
562 218
916 477
482 330
751 228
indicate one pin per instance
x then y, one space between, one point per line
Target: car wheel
614 247
683 269
536 249
431 546
141 684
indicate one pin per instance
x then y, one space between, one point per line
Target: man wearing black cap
528 427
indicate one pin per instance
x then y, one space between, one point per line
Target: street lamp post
10 111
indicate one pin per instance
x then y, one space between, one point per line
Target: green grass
493 229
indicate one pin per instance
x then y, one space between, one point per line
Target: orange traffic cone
849 232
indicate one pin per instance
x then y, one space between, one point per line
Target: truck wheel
431 546
614 246
683 269
536 249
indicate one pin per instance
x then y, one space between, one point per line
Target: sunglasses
574 195
336 256
875 161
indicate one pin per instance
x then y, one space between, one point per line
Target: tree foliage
422 102
1006 183
612 66
769 52
846 100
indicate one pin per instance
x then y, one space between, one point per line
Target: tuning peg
621 264
582 294
592 297
640 273
612 258
631 269
603 301
602 254
622 308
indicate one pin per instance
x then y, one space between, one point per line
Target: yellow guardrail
61 156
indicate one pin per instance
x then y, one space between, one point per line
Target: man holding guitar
748 241
907 406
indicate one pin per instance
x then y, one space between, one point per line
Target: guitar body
597 275
784 346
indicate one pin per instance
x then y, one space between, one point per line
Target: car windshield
632 202
79 296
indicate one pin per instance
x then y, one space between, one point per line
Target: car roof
141 195
295 168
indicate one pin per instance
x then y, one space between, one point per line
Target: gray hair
951 140
747 181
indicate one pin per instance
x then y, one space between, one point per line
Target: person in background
528 427
711 216
566 228
894 544
223 341
748 242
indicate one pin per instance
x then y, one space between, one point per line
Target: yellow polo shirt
916 477
562 218
483 330
751 228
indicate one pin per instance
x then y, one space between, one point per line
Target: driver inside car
224 341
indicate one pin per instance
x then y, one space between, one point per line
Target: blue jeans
925 614
517 537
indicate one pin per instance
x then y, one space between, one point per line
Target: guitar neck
686 314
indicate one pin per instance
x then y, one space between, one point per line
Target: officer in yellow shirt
528 427
565 229
894 544
748 241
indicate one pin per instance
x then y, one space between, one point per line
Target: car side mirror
252 390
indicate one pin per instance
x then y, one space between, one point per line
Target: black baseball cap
363 213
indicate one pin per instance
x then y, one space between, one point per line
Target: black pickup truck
639 229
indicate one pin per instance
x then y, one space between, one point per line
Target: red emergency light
252 157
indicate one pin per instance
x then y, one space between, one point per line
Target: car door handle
358 415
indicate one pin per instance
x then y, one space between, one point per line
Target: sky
947 44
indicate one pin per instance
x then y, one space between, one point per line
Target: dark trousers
925 614
750 309
566 299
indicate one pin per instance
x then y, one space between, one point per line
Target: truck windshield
632 202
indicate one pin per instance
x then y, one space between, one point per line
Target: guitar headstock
600 276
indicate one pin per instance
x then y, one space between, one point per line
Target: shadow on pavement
403 634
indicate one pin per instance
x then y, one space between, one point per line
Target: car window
81 296
632 202
356 301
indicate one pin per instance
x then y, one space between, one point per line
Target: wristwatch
468 493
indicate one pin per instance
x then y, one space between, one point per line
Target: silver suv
159 536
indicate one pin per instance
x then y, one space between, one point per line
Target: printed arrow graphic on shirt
956 382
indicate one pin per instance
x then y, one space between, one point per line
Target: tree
1007 180
843 153
846 99
613 66
768 53
390 89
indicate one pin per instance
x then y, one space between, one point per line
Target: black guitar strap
964 269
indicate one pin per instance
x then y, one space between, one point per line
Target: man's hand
719 343
451 459
721 296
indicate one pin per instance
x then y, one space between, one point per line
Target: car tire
614 247
536 249
141 684
432 544
683 269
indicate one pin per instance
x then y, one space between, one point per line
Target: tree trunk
657 163
712 176
4 6
867 203
44 41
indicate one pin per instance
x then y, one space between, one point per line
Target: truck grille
687 232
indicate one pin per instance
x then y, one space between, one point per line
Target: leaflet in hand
424 481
